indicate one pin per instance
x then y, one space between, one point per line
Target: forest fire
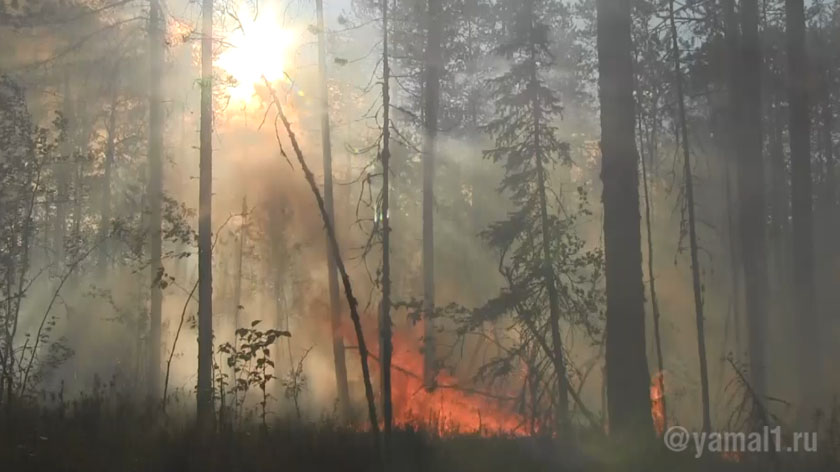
657 402
448 409
437 235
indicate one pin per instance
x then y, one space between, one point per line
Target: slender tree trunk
237 308
340 363
828 215
385 346
237 288
802 206
626 363
733 148
751 192
62 194
654 300
779 203
548 267
155 192
828 151
105 204
734 262
434 69
205 249
692 228
80 166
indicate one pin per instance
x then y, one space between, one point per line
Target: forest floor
91 438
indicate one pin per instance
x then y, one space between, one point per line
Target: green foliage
249 359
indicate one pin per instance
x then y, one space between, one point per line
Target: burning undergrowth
448 408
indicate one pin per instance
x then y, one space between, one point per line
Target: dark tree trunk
205 249
339 362
751 193
802 204
548 267
155 192
385 347
628 380
434 69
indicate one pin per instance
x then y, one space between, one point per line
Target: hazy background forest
416 234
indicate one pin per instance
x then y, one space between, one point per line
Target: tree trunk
385 346
654 300
205 249
155 191
237 288
340 363
732 145
62 194
105 204
434 69
802 205
345 279
626 363
692 229
751 192
548 267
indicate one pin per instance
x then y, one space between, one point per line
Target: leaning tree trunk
692 227
628 399
751 193
434 66
340 363
352 303
155 194
205 248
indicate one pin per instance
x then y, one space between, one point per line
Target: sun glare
261 47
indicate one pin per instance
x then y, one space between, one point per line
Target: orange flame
448 409
657 405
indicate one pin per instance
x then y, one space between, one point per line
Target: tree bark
654 300
802 205
205 250
340 363
345 278
751 193
155 192
628 379
434 69
733 148
105 203
385 347
237 288
547 262
692 229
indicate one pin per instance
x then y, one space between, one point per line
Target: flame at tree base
657 402
448 409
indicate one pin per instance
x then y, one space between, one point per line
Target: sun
261 47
